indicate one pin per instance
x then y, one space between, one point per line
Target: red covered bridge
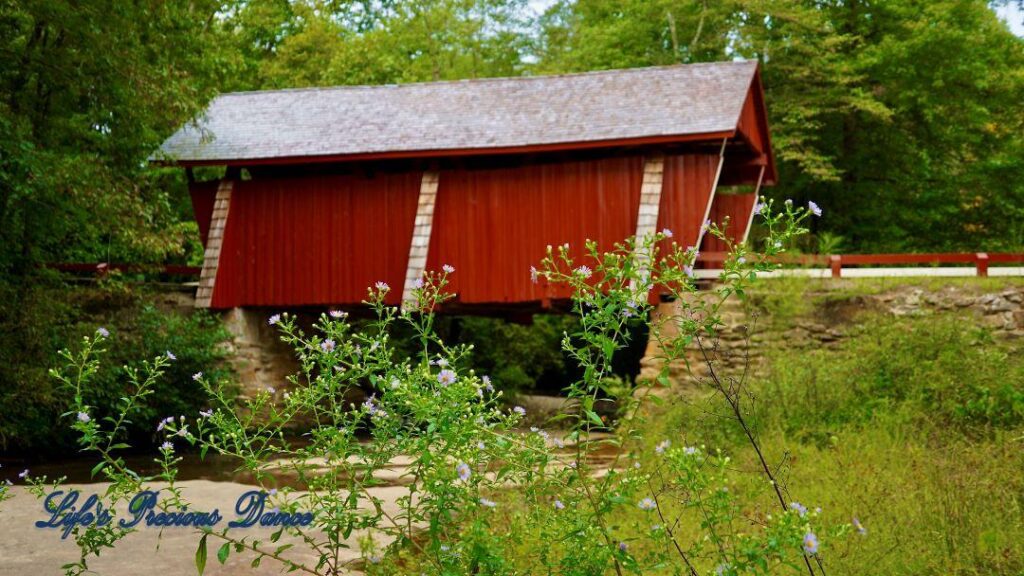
328 190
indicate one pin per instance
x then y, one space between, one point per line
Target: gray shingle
469 114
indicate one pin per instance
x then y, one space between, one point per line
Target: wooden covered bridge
329 190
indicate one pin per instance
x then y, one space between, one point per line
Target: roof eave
447 153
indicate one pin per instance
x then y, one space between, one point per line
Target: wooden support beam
211 258
714 190
422 228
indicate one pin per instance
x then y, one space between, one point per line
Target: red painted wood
316 240
493 223
687 185
735 207
203 195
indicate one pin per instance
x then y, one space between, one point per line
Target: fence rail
836 262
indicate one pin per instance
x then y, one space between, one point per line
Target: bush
39 318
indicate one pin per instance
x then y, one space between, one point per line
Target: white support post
650 202
214 241
421 231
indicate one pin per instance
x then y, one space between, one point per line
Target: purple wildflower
418 284
666 233
584 271
759 207
167 446
559 505
487 383
860 527
382 286
328 345
662 446
23 474
800 508
371 404
272 492
742 260
206 413
163 423
197 376
83 417
647 504
271 390
102 332
814 208
623 547
446 377
519 410
448 268
171 356
688 270
534 276
810 543
690 450
338 314
464 472
488 503
276 318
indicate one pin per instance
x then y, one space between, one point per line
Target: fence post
981 263
836 263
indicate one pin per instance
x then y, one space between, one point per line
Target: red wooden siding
203 194
316 240
737 207
687 186
493 224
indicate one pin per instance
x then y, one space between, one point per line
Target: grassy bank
914 425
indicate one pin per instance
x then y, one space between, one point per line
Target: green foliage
910 424
36 321
932 371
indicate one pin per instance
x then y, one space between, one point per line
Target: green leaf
201 555
96 469
223 552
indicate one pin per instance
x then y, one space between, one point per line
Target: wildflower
442 362
163 423
23 474
446 377
170 356
445 548
206 413
197 376
860 527
463 470
183 431
102 332
167 446
487 383
622 546
382 286
328 345
688 270
647 504
375 559
662 446
488 503
800 508
810 543
448 268
480 445
666 233
519 410
559 443
418 284
742 260
271 390
706 226
276 318
759 207
338 314
371 404
559 505
533 274
83 417
690 450
814 208
636 465
584 271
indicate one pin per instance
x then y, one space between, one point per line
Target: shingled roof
470 115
